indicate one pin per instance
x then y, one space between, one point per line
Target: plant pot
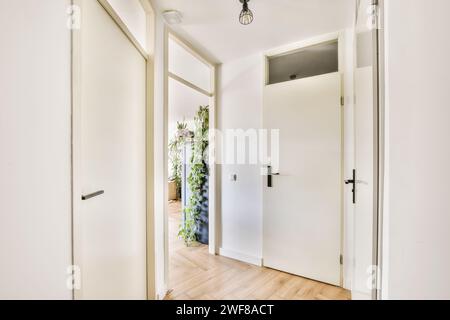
172 191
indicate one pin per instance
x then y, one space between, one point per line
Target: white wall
240 107
35 184
416 251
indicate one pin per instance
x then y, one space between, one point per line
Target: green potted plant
175 154
195 226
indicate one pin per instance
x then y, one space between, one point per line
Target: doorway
343 255
190 108
368 174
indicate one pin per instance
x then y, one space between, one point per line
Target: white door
302 209
365 153
109 156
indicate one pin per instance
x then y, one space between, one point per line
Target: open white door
302 208
109 159
365 154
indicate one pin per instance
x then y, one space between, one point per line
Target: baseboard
240 256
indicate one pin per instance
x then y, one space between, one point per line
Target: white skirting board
240 256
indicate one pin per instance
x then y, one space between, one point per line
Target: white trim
113 14
166 159
383 150
241 257
76 147
190 84
213 185
348 155
341 63
292 47
150 163
189 48
386 147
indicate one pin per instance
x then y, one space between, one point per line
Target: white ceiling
213 27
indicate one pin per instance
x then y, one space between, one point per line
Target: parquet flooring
194 274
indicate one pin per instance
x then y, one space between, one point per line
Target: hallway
195 274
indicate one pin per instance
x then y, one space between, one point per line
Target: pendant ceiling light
246 16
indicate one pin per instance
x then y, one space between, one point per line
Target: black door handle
92 195
353 183
269 176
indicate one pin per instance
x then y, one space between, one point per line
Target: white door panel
110 230
364 176
365 153
302 211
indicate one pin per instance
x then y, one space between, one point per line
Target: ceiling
212 26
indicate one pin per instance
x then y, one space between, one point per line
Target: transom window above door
307 62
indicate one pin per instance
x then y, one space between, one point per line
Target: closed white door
302 208
109 159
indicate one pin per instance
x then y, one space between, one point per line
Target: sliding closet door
109 159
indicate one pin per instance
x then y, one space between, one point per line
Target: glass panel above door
306 62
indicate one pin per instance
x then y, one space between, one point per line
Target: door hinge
342 101
341 259
373 11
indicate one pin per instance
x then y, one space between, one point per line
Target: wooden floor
194 274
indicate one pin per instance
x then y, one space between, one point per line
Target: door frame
380 156
331 37
169 33
148 55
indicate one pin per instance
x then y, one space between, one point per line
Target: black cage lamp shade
246 16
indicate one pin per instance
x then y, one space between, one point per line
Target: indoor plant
195 226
